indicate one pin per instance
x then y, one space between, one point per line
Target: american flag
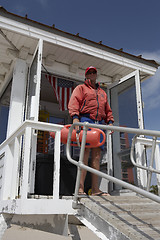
62 89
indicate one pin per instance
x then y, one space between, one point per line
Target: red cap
91 67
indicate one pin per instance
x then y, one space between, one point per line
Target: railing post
7 172
25 166
109 157
157 164
32 168
2 156
15 177
151 163
140 159
56 170
85 128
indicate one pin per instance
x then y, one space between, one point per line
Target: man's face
92 75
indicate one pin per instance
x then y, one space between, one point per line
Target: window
4 112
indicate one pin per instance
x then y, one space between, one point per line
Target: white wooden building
30 52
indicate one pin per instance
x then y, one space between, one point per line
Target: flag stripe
62 89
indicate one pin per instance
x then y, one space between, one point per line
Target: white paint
37 33
56 175
26 160
32 106
15 169
34 83
15 119
32 112
157 164
26 129
142 174
16 112
37 206
141 160
139 100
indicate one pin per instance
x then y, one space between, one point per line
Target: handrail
80 164
150 168
33 124
26 130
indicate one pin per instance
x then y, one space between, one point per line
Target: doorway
124 107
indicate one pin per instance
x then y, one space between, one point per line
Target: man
89 103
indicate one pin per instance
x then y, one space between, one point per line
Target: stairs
121 217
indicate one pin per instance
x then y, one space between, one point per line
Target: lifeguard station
39 68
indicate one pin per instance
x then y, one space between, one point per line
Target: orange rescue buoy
92 139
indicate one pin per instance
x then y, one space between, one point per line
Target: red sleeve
75 101
108 110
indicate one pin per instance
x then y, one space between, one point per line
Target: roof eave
76 37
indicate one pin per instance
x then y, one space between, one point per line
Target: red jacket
87 100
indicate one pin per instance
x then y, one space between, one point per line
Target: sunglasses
90 72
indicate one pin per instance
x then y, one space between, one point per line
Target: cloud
152 85
152 102
22 7
43 3
151 88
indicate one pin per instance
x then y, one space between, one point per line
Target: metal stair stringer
96 223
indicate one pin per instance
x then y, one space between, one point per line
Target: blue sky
129 24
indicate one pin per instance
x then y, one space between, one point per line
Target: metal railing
80 164
150 168
11 146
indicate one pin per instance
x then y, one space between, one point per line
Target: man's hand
76 127
111 130
77 131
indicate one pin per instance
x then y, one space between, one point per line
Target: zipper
83 105
97 106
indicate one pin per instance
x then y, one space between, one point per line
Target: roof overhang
64 53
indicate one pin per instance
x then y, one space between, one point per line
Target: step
123 217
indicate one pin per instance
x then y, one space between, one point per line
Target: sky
129 24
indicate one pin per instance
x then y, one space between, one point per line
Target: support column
16 116
17 100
